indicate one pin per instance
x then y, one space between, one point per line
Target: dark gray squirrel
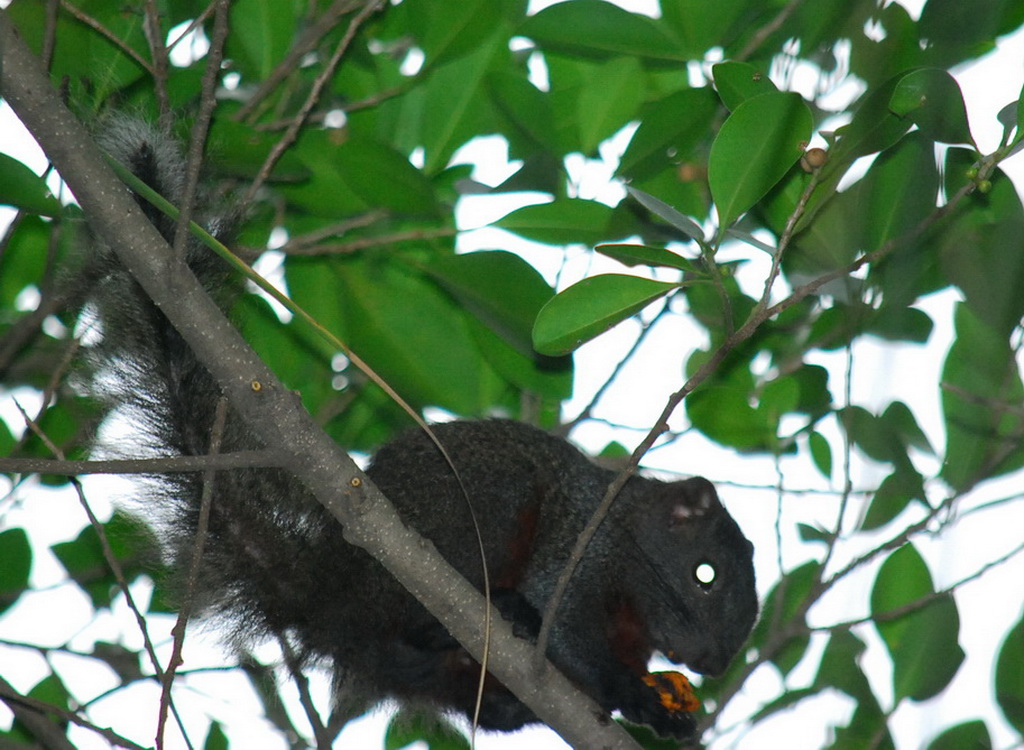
668 570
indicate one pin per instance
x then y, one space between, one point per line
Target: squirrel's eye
704 574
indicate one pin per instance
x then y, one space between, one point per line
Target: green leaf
299 359
215 738
383 177
600 29
24 189
500 288
644 255
15 565
1010 677
894 494
670 131
821 453
756 146
527 108
408 726
590 307
548 377
446 31
900 419
703 25
782 605
725 415
874 127
409 331
1020 114
736 82
131 543
48 691
23 262
840 667
981 386
109 68
901 324
561 222
608 100
810 533
262 32
923 643
452 107
899 191
662 210
931 98
971 735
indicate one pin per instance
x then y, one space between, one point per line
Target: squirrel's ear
695 498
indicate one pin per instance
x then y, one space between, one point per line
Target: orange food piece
674 691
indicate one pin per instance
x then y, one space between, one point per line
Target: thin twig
321 80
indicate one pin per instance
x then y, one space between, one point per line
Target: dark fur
275 562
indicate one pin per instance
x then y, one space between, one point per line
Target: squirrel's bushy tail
261 520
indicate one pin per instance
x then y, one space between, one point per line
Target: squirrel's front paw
670 713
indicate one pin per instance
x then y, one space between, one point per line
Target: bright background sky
881 374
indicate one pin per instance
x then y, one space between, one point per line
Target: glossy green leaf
600 29
302 362
561 222
608 100
547 377
898 192
590 307
663 211
264 30
931 98
1010 677
383 177
500 288
724 414
452 107
756 146
874 126
449 30
408 330
22 188
736 82
15 564
670 131
971 735
924 642
644 255
981 380
527 108
703 25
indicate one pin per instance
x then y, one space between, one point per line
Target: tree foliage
791 224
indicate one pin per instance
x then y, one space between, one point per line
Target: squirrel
669 570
